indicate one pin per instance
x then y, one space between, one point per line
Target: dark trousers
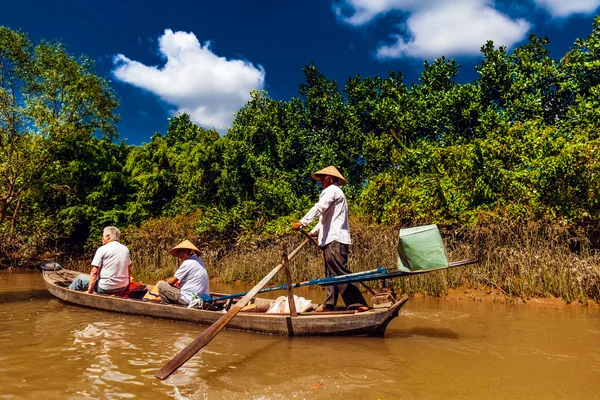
335 255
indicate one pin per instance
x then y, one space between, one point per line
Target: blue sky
204 57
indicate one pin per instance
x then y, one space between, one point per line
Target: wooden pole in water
288 278
213 330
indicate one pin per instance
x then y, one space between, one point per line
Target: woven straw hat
331 170
185 245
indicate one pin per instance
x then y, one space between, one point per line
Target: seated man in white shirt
333 238
110 266
191 276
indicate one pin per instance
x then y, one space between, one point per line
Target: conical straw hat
186 244
331 170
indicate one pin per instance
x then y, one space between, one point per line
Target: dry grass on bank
520 259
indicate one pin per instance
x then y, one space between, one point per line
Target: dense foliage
520 141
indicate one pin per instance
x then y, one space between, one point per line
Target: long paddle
212 331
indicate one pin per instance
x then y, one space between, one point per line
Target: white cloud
566 8
194 79
363 11
438 27
454 29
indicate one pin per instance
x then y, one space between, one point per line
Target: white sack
280 305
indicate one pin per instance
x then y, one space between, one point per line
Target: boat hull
372 322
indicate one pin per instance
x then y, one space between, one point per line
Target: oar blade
195 346
180 359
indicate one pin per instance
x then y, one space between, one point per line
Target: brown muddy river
435 349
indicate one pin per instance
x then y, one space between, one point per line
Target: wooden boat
372 322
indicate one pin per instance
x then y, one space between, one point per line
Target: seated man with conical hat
191 276
333 238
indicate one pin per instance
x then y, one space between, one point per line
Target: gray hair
113 232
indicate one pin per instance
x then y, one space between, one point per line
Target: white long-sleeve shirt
332 211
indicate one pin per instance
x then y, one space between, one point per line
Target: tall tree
334 131
46 96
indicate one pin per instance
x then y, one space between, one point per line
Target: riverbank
491 295
517 259
480 294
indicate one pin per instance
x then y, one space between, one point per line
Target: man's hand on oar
297 225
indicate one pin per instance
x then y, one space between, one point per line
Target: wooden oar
212 331
309 236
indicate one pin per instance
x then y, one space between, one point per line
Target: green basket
421 248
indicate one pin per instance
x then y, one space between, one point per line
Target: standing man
191 276
333 238
110 266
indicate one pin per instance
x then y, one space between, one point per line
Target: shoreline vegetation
518 260
508 166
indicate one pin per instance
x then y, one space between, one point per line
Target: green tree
84 189
46 97
152 168
197 165
258 161
333 130
581 70
384 108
